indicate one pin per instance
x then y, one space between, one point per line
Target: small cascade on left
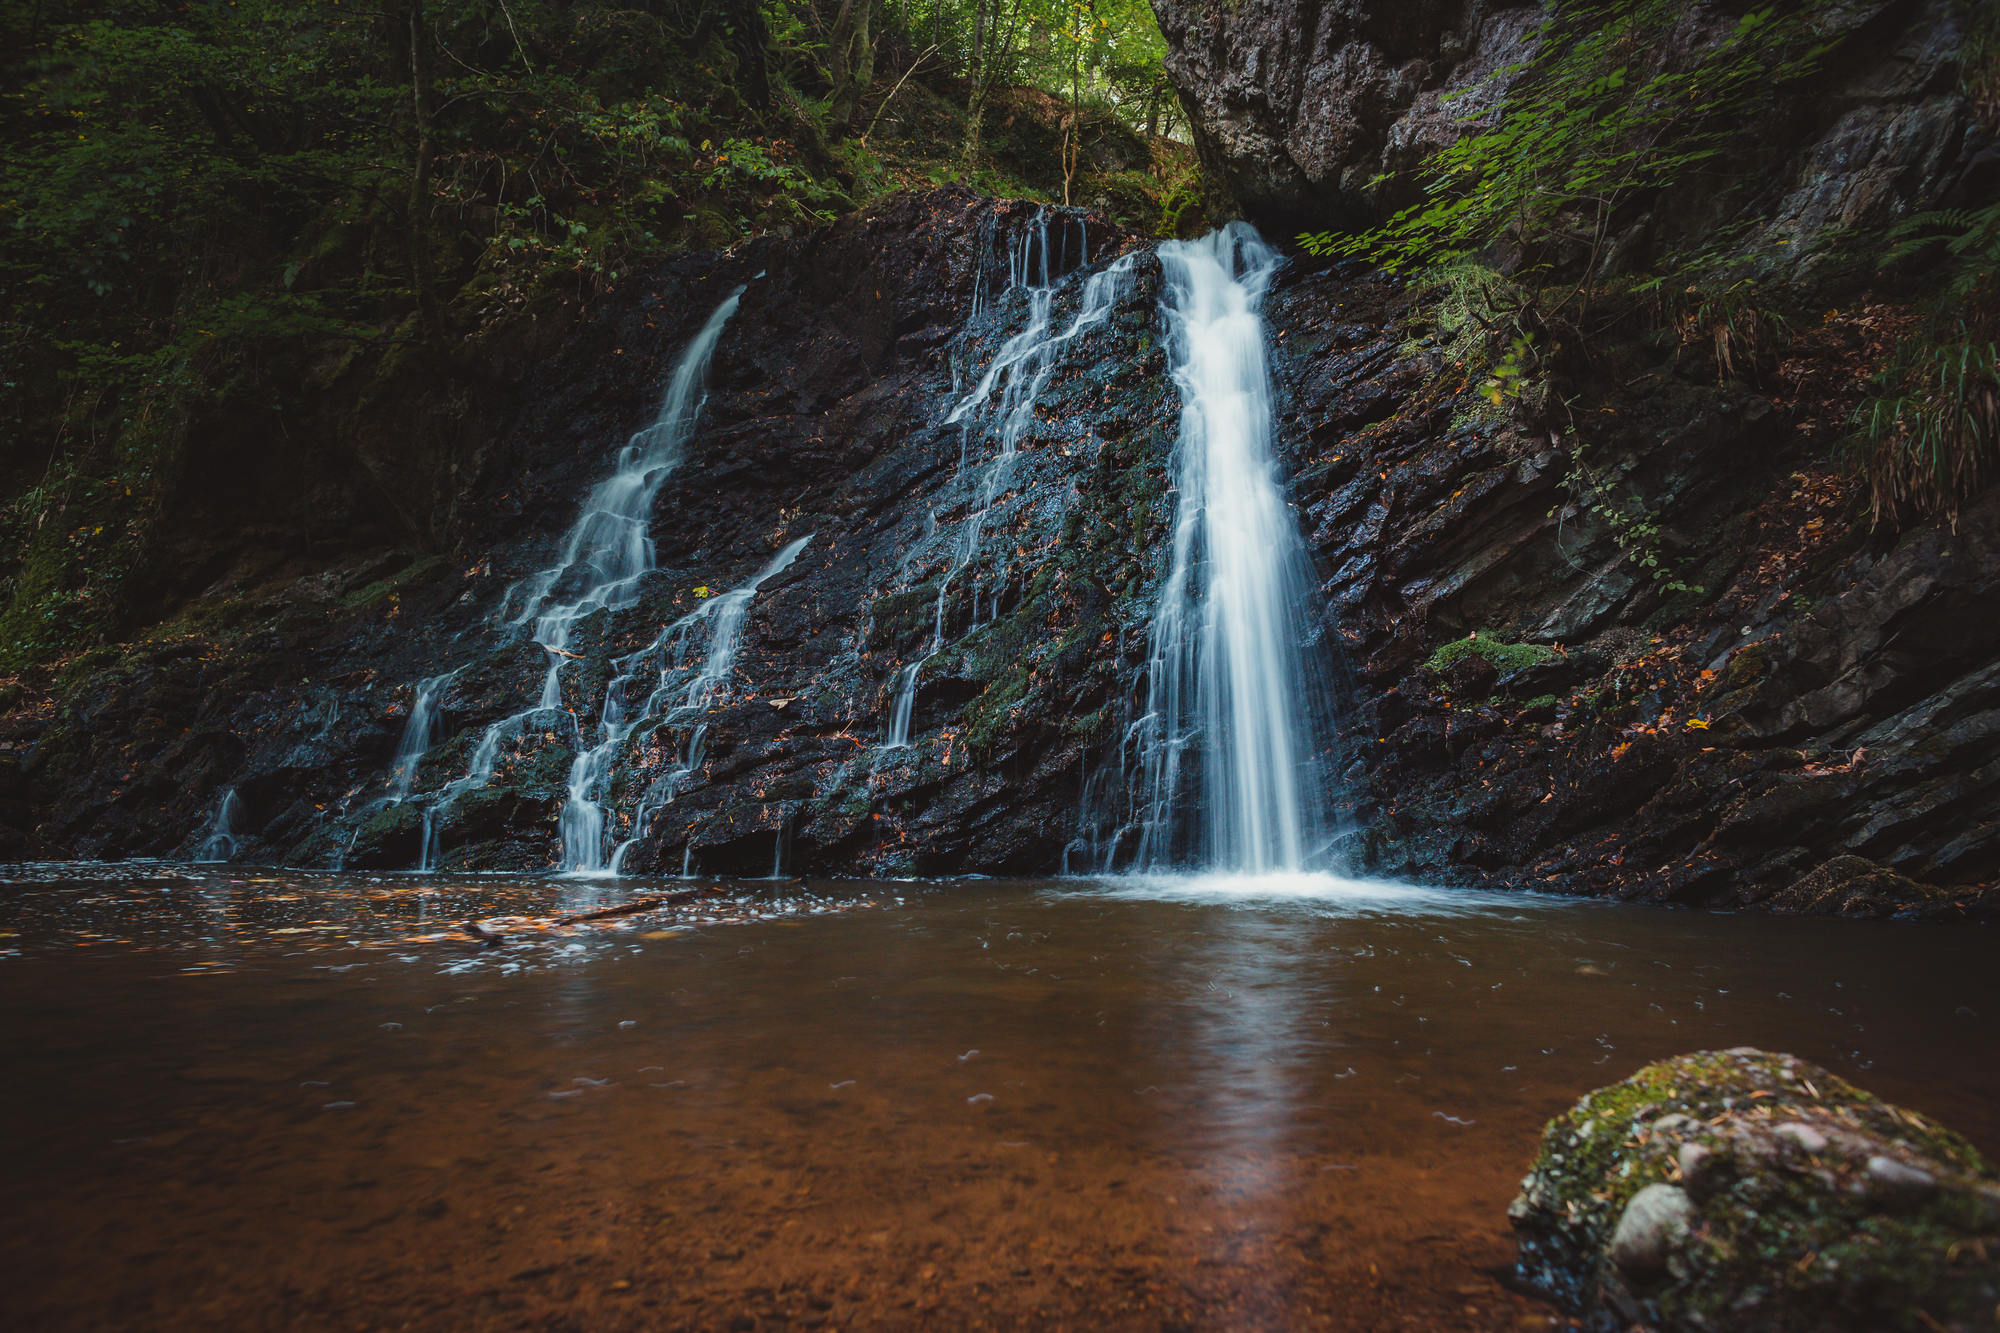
681 693
604 560
416 739
224 836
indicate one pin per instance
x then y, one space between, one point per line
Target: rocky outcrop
1804 723
1316 114
1798 718
1739 1190
826 418
1297 108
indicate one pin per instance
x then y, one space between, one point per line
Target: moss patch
1504 656
1812 1203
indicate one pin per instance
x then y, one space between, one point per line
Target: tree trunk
1071 145
975 98
850 59
421 277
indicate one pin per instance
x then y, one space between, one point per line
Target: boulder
1745 1190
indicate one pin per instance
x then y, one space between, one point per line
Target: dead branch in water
638 905
483 935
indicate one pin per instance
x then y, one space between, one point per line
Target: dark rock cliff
1812 732
1307 113
826 418
1809 726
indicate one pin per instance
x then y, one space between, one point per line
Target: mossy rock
1740 1190
1505 657
390 837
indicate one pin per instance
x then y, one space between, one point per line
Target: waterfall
1231 741
1005 399
605 558
609 550
416 738
224 834
673 697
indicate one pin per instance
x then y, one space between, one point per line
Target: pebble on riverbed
1740 1190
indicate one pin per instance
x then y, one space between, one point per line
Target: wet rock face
1739 1190
1809 733
826 420
1310 114
1812 732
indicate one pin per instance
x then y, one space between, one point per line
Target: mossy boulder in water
1740 1190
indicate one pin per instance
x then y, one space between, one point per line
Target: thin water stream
246 1099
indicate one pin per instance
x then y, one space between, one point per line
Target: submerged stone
1741 1190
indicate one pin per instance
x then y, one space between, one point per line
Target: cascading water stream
416 738
1005 397
583 816
225 829
1231 741
610 548
605 557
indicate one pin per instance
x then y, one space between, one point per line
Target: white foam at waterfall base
1321 892
1231 741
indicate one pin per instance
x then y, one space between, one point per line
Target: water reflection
1115 1105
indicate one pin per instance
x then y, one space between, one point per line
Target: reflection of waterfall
1004 399
1229 747
225 831
674 697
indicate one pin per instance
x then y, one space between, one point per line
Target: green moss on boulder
1740 1190
1505 657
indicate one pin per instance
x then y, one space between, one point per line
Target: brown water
247 1100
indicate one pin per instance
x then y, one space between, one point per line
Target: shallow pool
249 1099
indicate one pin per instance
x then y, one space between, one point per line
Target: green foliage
208 204
1594 130
1930 431
1586 130
1632 526
1966 240
1484 323
1620 109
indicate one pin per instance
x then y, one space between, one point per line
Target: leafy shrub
1930 434
1586 131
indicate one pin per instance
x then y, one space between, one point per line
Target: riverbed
245 1098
